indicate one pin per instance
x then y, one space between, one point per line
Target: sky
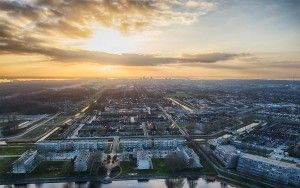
196 39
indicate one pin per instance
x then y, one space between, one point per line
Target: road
183 132
70 120
8 156
221 171
182 105
145 129
32 128
75 133
48 134
112 163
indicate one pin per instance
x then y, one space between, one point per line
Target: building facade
275 170
82 161
26 163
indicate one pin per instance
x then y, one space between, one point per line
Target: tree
175 162
174 183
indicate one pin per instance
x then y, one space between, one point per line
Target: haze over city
149 93
204 39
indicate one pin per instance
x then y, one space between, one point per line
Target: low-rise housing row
26 163
129 144
69 145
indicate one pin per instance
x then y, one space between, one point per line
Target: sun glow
111 41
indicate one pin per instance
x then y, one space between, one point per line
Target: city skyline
207 39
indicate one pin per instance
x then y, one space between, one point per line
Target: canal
154 183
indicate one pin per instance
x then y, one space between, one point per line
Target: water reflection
224 185
175 183
192 183
68 185
94 185
21 186
157 183
8 186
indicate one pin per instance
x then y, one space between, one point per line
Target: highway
8 156
48 134
181 105
75 117
75 133
19 136
31 128
183 132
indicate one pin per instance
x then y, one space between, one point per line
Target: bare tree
175 162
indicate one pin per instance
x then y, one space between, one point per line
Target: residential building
191 158
82 161
26 163
143 160
275 170
227 155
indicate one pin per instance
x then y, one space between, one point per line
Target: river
155 183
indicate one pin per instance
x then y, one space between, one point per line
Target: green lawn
46 169
12 150
5 165
127 167
206 168
49 169
40 131
159 169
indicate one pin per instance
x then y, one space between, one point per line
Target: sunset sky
203 39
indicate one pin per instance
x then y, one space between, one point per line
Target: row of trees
45 102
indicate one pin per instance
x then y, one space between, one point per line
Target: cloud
61 55
59 16
211 57
32 26
28 44
70 18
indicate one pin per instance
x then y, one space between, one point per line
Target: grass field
40 131
46 169
50 169
159 169
5 165
206 168
13 150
